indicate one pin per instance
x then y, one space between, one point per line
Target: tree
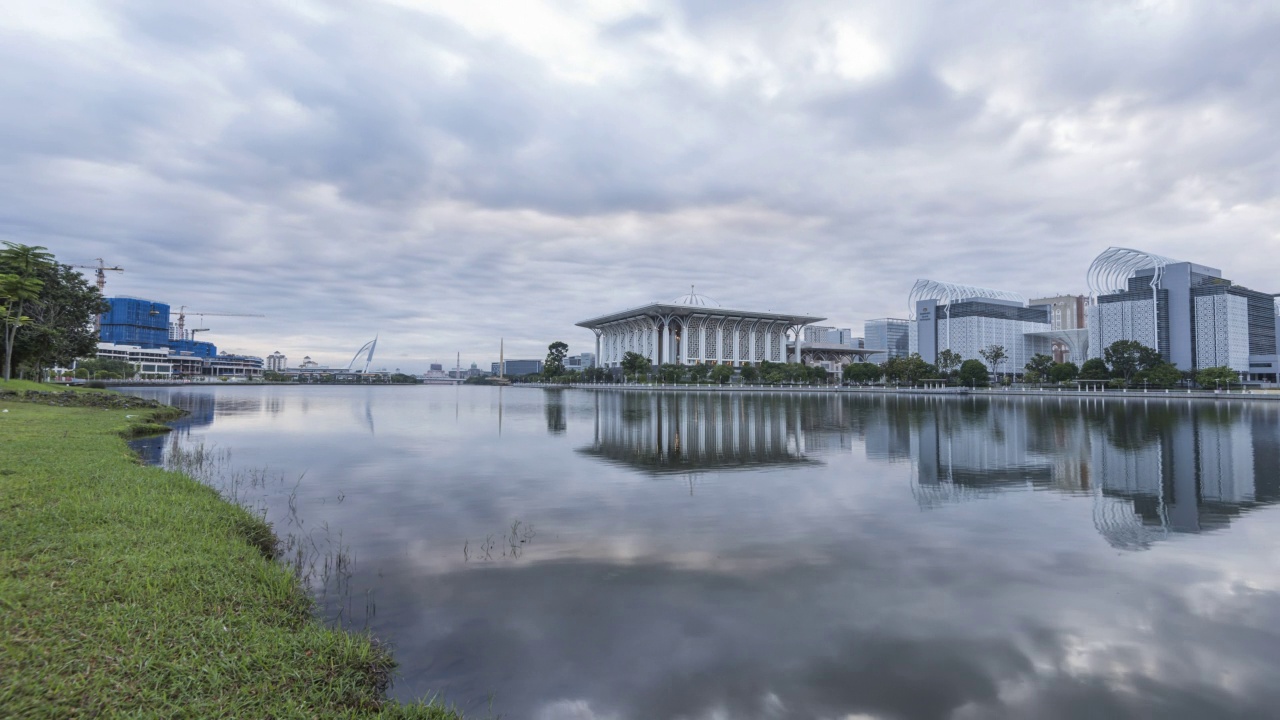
60 328
1128 357
1162 374
1095 369
994 355
671 372
634 364
98 366
750 373
973 373
949 361
20 285
816 374
554 364
1039 367
698 372
1063 372
910 369
862 372
721 374
1216 376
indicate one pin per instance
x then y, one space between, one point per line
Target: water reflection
681 433
865 556
1154 468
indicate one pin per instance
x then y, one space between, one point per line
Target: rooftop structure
694 329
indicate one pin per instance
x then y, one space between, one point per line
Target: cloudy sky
446 173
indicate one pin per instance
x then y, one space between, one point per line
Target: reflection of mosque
1153 469
670 432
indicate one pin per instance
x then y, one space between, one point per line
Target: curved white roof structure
1110 271
947 293
695 300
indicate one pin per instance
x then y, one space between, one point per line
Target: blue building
132 321
193 348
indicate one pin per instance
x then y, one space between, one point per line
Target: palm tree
19 286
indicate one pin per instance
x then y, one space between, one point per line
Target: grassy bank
131 590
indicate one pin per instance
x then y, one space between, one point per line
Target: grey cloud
369 159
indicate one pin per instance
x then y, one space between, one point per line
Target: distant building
891 334
437 367
277 362
516 368
1192 315
691 330
580 362
145 361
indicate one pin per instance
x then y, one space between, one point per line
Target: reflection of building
1169 467
1190 313
890 333
968 320
676 432
694 329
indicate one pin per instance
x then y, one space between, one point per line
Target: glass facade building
132 321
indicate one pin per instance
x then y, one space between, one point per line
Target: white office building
968 320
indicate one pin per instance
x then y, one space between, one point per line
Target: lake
567 554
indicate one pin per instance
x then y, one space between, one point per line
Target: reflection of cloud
796 590
868 641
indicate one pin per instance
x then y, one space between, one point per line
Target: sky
445 174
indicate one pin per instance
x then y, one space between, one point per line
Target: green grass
131 591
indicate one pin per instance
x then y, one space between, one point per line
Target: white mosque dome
695 299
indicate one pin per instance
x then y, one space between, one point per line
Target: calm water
568 555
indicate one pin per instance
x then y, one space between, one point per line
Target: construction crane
182 319
100 270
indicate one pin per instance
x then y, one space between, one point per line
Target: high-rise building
133 321
277 362
516 368
832 335
1066 313
891 334
1193 316
968 320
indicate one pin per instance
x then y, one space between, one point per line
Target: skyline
447 175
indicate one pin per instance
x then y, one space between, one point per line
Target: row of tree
47 310
1124 363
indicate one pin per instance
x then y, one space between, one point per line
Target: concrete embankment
130 590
